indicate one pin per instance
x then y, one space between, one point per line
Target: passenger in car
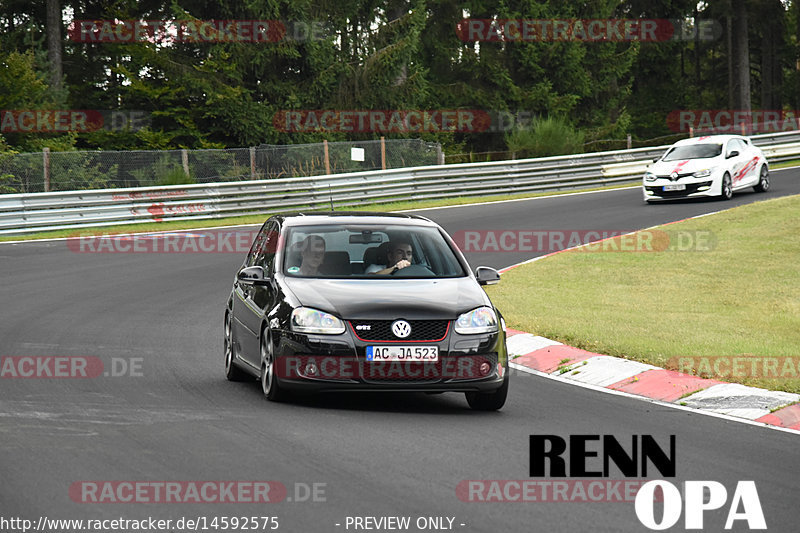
312 254
399 255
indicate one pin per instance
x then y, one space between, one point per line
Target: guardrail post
439 154
327 158
629 141
252 162
46 165
383 153
185 160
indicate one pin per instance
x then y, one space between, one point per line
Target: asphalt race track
171 416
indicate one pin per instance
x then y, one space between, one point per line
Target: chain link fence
78 170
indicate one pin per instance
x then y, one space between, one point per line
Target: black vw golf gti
364 301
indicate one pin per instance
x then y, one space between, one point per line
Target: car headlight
706 172
480 320
307 320
649 176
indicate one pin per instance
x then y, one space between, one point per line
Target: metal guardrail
27 213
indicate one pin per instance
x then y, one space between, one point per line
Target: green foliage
546 137
175 176
380 55
86 172
166 170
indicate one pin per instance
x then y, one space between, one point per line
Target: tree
739 56
54 43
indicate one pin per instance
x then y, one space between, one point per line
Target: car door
735 163
250 299
259 298
752 163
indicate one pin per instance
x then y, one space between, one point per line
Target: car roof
709 139
353 217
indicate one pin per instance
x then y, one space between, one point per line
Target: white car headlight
307 320
706 172
479 320
649 176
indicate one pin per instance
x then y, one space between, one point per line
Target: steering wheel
413 270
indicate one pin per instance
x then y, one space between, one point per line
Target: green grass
785 164
260 218
740 298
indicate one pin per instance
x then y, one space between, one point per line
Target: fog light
485 368
311 369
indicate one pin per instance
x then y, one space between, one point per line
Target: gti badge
401 329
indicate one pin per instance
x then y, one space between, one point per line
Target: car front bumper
694 188
318 363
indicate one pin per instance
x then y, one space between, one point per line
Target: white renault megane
715 165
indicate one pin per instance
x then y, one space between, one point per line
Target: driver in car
399 256
312 254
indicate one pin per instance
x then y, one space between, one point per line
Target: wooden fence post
185 160
46 161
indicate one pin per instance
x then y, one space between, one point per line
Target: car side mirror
732 154
487 275
656 160
253 275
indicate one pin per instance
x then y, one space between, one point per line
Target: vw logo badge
673 176
401 329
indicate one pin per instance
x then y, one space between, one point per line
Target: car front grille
668 177
381 330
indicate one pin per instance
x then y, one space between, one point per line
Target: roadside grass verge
178 224
740 298
785 164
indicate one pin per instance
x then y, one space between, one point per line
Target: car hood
682 166
367 299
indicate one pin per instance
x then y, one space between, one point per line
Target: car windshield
693 151
367 251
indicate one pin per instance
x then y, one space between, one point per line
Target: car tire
269 381
763 180
726 192
232 371
489 401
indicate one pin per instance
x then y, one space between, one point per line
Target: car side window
256 246
263 252
737 145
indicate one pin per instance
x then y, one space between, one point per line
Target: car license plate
675 187
403 353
